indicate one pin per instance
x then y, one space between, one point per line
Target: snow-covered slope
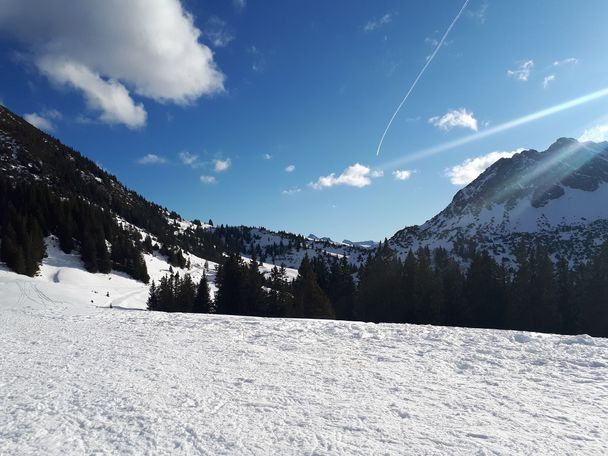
63 280
556 197
296 247
78 378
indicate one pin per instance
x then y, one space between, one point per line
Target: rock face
558 197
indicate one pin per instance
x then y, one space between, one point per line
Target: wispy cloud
152 159
455 118
258 60
267 157
402 174
43 120
220 165
208 180
598 133
568 61
291 191
189 159
375 24
356 175
548 80
522 73
467 171
290 168
217 32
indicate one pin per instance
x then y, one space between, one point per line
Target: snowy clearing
80 379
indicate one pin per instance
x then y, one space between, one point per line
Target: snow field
80 378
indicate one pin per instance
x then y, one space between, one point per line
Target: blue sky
208 125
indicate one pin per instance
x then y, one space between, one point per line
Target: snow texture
80 378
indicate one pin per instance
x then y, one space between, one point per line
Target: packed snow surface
80 378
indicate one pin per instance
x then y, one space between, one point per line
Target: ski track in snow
79 378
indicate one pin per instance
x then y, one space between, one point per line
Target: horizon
249 130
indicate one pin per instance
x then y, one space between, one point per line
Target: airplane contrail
421 72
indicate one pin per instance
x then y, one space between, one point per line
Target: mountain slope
556 198
48 188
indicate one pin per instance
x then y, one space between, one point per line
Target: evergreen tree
309 299
153 298
566 298
202 302
594 296
483 305
379 297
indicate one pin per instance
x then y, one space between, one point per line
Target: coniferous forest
427 287
51 189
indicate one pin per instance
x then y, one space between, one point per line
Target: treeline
180 294
243 290
29 212
427 287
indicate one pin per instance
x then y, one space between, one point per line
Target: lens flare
425 153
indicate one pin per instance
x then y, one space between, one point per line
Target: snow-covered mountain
364 244
558 197
35 163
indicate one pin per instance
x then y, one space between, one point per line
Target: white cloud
188 159
377 173
522 73
108 96
39 121
598 133
378 23
402 174
471 168
267 157
107 48
221 165
455 118
292 191
568 61
356 175
216 30
207 180
152 159
547 80
290 169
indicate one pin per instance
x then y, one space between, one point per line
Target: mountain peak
557 196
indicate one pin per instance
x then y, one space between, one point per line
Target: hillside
556 198
84 379
48 189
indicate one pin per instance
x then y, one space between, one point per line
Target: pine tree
566 297
594 299
202 302
310 300
380 296
104 263
483 305
153 298
88 251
